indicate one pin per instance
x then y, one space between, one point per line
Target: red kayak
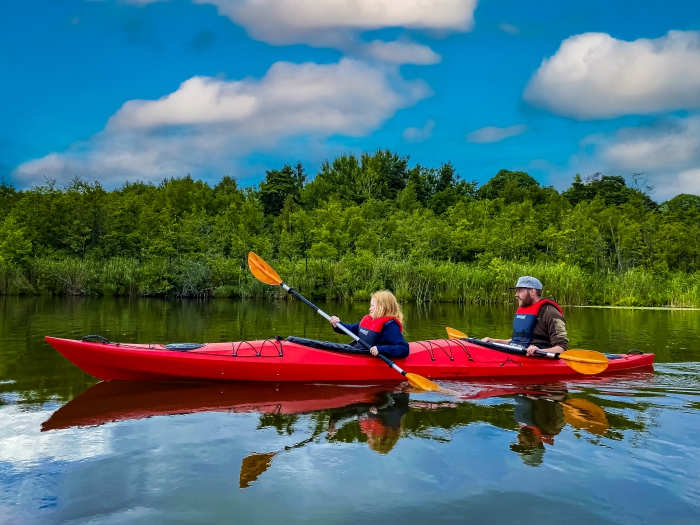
282 360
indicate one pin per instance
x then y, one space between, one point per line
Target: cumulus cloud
595 76
339 23
669 144
293 21
209 124
667 151
413 135
494 134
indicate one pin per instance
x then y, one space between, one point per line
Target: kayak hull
283 361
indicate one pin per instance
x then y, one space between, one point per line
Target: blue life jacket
370 328
524 322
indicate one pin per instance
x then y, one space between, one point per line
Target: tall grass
353 277
13 280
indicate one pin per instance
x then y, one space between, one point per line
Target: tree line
360 222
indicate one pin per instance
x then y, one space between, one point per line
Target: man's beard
524 303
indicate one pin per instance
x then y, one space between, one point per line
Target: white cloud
495 134
413 135
674 144
339 23
23 447
667 151
399 52
688 181
208 125
292 21
594 76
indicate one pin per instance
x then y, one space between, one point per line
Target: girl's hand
374 351
334 320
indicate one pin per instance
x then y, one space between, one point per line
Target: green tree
511 186
8 198
279 185
15 247
612 189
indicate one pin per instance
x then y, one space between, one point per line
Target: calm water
595 450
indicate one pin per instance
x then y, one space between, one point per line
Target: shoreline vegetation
361 224
353 279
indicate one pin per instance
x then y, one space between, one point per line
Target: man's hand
554 350
374 351
487 340
334 320
531 350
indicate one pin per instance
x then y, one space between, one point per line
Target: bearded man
539 323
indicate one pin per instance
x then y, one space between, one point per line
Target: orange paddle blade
455 334
252 466
584 356
422 383
262 271
586 362
585 414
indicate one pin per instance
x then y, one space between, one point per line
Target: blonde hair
382 443
387 306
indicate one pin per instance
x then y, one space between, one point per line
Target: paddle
585 414
256 463
584 361
264 273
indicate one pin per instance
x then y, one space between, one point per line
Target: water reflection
539 419
112 401
376 415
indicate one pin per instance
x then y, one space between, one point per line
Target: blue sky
119 90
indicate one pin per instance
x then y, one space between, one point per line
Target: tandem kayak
301 360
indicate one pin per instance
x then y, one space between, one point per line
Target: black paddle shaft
296 294
508 349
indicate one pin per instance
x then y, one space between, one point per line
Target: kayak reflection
375 415
111 401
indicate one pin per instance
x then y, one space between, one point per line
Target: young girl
382 328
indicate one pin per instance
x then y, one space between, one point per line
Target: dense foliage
361 223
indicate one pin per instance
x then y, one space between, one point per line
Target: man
539 323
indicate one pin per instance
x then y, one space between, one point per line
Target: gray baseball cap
528 282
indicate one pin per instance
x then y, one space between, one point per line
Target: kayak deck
282 361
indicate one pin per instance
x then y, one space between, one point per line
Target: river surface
593 450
